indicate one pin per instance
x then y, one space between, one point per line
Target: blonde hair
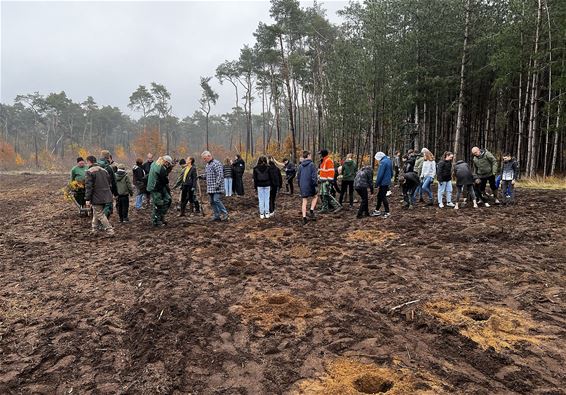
428 155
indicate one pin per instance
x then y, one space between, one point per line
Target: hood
120 174
262 168
379 156
460 162
306 162
94 168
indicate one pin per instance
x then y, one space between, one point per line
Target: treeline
441 74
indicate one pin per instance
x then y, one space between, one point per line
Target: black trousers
350 186
272 195
289 185
408 192
491 180
238 184
188 195
123 205
382 198
364 205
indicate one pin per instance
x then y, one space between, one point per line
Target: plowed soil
426 301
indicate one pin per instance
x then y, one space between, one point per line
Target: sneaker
388 193
497 201
225 217
456 206
385 215
376 213
450 204
262 216
486 205
475 205
110 232
440 205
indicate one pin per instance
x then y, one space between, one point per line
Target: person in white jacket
428 173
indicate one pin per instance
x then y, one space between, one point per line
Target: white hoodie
429 169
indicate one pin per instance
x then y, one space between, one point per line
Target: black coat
463 173
238 167
262 176
276 179
139 174
444 171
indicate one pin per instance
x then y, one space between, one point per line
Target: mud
256 306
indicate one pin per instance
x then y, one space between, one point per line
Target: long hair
227 162
262 160
428 155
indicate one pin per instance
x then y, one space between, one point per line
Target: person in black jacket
465 179
290 173
444 176
188 181
276 184
139 182
409 181
262 176
238 167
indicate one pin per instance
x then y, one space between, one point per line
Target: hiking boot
450 204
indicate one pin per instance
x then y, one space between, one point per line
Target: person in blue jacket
382 183
307 178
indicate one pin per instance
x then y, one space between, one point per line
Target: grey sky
107 49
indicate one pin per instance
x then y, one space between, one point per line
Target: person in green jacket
484 169
349 170
158 187
78 174
105 162
125 190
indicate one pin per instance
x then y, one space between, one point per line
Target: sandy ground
256 306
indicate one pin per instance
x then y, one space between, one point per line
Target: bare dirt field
256 306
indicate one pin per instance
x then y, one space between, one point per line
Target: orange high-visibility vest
326 171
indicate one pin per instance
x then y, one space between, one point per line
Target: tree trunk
462 82
290 100
531 149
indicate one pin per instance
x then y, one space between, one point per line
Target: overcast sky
107 49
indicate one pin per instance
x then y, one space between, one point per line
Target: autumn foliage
148 141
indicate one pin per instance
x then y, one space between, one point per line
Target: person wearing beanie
125 190
382 183
158 187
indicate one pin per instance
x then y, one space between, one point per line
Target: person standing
140 181
106 163
147 167
349 170
484 166
418 167
363 181
158 187
262 183
382 183
228 177
396 166
509 175
290 173
98 195
276 184
214 172
444 176
307 181
428 173
125 190
238 168
188 183
326 176
78 175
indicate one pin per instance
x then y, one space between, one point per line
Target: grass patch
548 183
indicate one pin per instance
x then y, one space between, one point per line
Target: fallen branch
404 304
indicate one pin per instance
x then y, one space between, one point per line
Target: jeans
263 197
427 182
382 198
139 200
228 186
508 191
216 204
445 186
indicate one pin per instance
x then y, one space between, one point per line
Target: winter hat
168 159
424 150
379 156
323 152
121 166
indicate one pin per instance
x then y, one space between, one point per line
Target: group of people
106 181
